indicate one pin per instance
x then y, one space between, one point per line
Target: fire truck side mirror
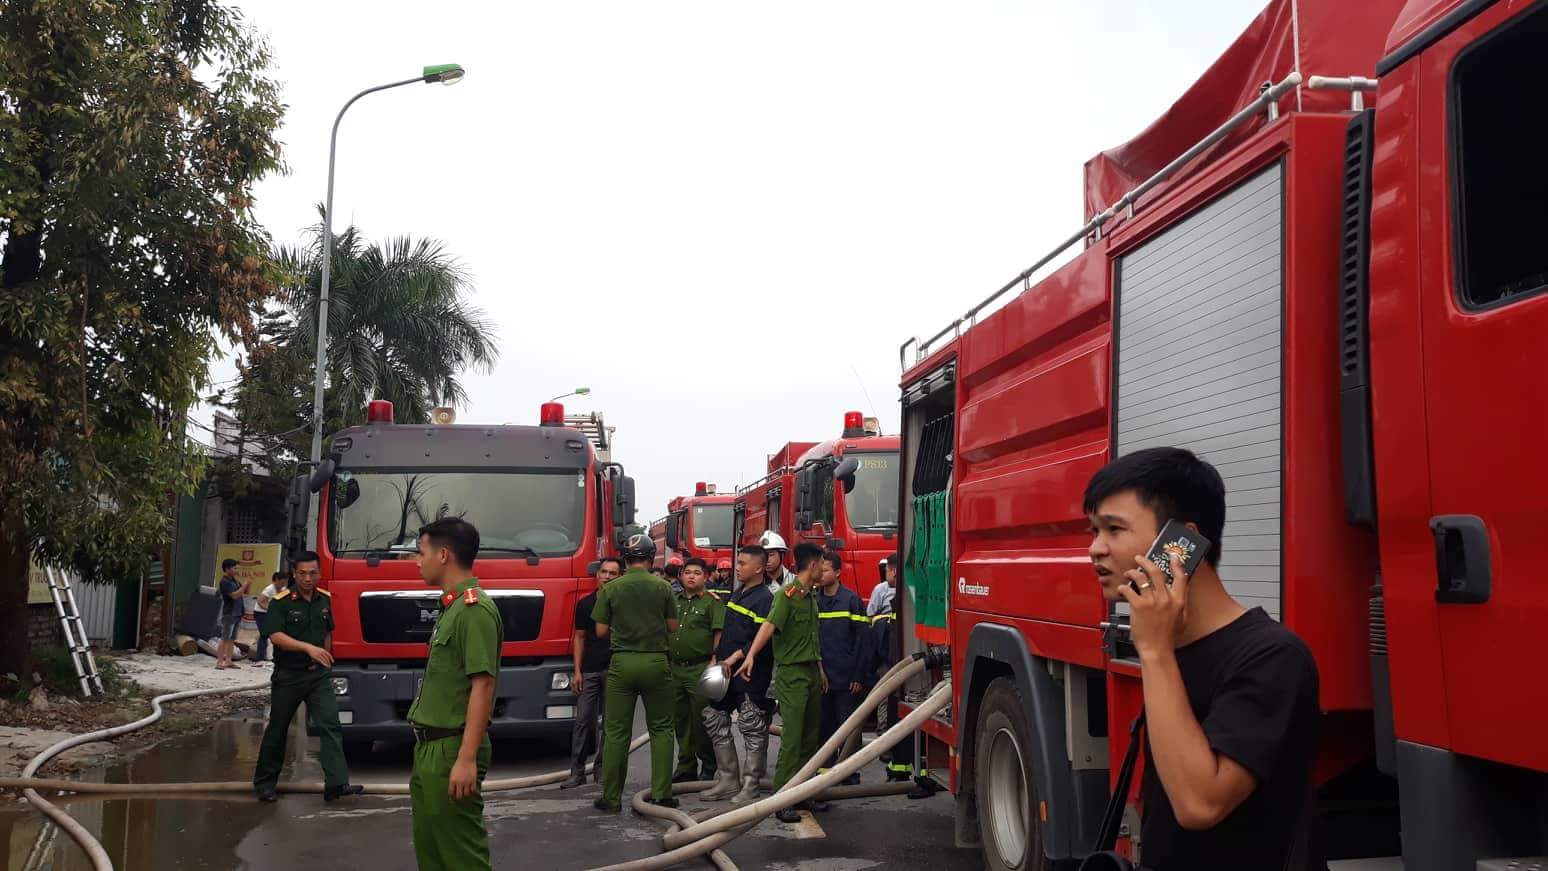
845 472
623 501
321 475
674 531
296 515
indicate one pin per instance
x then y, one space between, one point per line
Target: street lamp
446 74
579 391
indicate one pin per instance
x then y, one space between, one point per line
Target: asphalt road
534 829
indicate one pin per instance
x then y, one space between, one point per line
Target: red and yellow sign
256 564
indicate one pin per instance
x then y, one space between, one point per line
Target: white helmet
772 541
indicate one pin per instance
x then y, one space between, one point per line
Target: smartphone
1179 539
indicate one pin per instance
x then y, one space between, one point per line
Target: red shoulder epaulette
447 599
470 597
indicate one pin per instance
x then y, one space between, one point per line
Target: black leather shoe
788 815
816 806
603 804
266 794
669 801
684 777
333 793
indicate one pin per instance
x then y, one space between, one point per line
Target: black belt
423 734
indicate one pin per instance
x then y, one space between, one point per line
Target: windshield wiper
532 556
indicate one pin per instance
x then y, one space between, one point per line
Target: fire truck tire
1005 783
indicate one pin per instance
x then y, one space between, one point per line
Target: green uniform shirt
635 606
698 619
466 641
308 622
794 615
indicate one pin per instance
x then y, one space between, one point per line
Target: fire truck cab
547 502
1341 308
697 526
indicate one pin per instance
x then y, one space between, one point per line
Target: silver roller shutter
1199 345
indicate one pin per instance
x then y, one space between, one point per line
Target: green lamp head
446 74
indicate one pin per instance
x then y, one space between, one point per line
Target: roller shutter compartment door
1200 326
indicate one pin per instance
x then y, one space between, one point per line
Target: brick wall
43 626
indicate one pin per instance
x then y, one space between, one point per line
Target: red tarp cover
1317 37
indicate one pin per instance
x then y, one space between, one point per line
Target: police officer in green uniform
799 681
700 619
637 613
299 623
450 718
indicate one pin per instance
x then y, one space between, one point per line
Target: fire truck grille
407 618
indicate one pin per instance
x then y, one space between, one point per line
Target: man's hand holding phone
1158 609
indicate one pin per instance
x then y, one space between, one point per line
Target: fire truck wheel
1003 780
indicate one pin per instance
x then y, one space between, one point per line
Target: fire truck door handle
1461 559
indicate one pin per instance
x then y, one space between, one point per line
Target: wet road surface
533 829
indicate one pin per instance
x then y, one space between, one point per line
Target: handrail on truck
1267 98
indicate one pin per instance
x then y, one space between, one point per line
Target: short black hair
1173 483
832 558
228 564
806 553
892 558
278 576
456 535
610 559
696 561
305 556
753 550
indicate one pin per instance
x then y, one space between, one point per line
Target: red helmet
675 561
723 564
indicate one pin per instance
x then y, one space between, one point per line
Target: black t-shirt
598 652
1253 687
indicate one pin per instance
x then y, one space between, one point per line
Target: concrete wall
43 626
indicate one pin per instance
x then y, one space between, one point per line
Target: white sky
723 217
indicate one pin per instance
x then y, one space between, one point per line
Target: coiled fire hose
686 839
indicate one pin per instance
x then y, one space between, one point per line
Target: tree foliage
400 328
131 135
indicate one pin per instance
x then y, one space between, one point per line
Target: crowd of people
793 642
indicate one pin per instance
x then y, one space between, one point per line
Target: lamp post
579 391
446 74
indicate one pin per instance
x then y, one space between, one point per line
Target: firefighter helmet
639 547
713 683
675 561
724 564
772 541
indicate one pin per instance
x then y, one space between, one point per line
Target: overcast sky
723 217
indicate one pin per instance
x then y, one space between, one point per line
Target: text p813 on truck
1323 271
547 501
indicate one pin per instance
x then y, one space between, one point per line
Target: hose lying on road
29 783
683 843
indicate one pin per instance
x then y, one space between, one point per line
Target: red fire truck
547 501
696 526
1321 299
843 495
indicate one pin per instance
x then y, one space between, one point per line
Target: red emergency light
854 424
379 411
701 489
552 414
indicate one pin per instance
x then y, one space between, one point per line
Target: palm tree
399 325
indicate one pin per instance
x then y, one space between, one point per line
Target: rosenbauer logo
968 589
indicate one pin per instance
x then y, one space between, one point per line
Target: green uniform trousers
633 676
798 689
288 688
694 752
448 835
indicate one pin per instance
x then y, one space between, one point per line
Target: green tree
131 134
400 328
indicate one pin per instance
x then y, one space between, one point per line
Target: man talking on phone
1230 694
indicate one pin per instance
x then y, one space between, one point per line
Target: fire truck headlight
341 686
560 680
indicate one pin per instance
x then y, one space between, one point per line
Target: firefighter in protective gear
700 620
748 699
721 585
637 614
774 570
842 630
799 681
450 715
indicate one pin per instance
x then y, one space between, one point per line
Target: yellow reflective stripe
887 616
898 766
831 615
746 612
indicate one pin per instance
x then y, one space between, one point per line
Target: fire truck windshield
873 503
712 526
380 512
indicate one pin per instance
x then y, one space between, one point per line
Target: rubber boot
727 768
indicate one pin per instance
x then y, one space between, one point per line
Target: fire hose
687 838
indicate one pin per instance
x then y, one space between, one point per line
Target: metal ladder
74 631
